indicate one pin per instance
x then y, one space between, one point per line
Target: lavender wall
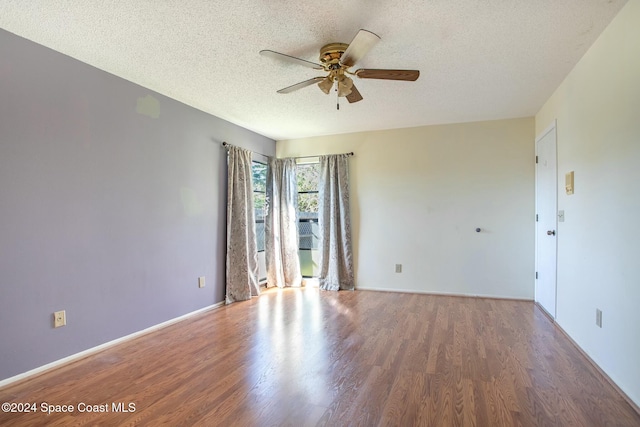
105 212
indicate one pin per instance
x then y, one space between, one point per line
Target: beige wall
597 109
418 195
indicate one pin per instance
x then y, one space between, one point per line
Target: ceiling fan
336 59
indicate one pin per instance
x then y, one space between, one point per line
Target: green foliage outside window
308 176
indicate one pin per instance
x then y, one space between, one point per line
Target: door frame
551 128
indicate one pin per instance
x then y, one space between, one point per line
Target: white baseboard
100 347
450 294
625 396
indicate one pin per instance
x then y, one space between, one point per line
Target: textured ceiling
479 60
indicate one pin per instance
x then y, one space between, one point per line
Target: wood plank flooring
306 357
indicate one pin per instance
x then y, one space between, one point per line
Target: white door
546 220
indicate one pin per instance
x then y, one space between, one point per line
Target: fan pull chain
338 97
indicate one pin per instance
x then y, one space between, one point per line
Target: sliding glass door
308 232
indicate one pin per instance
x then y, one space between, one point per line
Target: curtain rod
318 155
226 145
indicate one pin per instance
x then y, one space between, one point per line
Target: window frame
255 191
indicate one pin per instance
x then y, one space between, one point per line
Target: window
259 171
308 231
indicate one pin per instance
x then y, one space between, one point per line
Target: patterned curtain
281 225
242 252
336 265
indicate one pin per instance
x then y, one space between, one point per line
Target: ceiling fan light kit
326 84
336 59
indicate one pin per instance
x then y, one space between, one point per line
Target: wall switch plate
201 282
599 318
59 318
560 216
398 268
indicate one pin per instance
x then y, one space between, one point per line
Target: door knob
551 233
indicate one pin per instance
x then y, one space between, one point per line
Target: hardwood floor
305 358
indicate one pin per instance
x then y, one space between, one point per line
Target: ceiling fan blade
407 75
354 96
292 59
358 48
301 85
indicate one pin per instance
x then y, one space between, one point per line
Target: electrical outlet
398 268
201 282
59 318
599 318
